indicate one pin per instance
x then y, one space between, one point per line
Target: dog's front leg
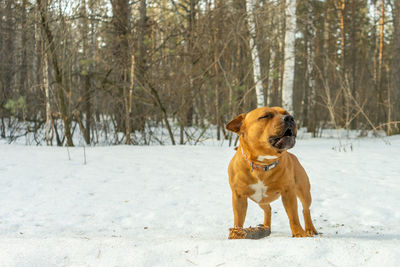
239 204
290 203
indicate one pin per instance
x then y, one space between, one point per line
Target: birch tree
45 85
310 48
272 58
289 53
254 53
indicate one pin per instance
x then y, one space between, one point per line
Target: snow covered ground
171 206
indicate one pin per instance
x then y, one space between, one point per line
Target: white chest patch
261 158
260 191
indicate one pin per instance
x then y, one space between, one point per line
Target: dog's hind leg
267 214
303 193
289 201
305 198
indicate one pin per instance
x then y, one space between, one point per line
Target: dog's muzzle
287 138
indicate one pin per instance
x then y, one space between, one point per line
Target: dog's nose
288 118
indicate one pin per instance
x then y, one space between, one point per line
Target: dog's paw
249 233
311 232
237 233
301 233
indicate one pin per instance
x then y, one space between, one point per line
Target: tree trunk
24 61
121 51
126 91
289 53
58 74
345 97
216 32
86 72
353 57
7 66
254 53
45 85
311 48
327 66
190 94
140 65
271 76
271 66
380 55
128 116
395 68
380 59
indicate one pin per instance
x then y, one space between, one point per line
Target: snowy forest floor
171 206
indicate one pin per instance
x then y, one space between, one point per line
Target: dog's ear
235 124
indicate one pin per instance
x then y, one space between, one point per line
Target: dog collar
261 167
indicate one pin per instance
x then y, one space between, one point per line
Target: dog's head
265 130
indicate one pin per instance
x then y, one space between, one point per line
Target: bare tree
254 53
289 61
394 97
42 5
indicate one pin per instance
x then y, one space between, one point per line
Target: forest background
129 72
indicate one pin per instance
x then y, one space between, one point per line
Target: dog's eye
266 116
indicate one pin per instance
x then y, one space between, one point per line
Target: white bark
132 76
45 74
272 72
310 58
271 77
254 53
288 73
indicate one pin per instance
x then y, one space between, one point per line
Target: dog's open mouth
284 141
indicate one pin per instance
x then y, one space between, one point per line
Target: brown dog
263 170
